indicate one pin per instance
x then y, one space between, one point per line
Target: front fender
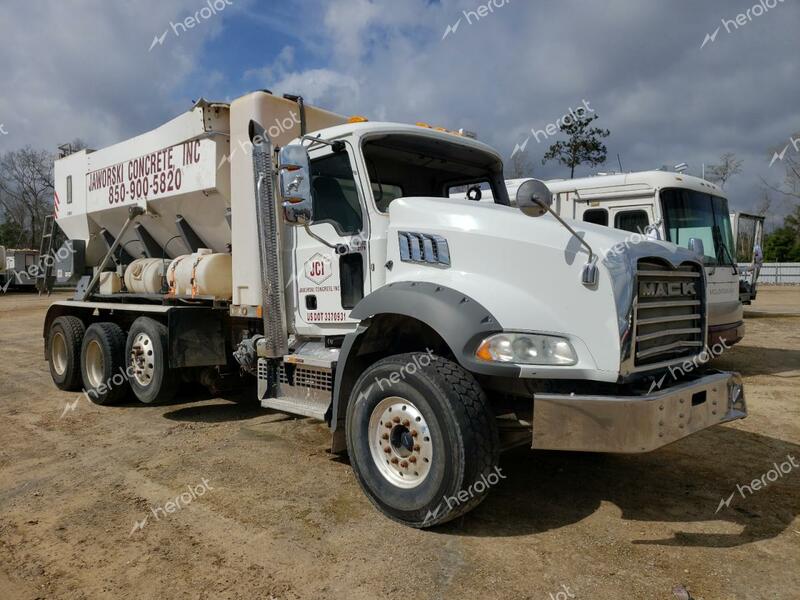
458 319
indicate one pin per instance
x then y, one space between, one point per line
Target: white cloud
82 69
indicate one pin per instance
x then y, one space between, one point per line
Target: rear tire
103 363
424 445
64 352
146 353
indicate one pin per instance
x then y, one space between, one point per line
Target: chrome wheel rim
95 365
400 442
142 359
58 353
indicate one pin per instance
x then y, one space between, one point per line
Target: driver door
329 284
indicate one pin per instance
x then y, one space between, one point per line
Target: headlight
527 349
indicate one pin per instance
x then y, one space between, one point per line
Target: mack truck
319 262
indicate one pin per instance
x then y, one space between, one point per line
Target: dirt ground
271 515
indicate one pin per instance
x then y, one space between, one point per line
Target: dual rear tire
108 364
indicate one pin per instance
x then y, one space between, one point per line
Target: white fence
778 273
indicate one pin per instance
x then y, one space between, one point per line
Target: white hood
527 271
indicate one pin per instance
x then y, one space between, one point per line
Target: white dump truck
680 208
321 258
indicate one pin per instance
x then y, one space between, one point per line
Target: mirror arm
338 248
590 273
337 145
592 257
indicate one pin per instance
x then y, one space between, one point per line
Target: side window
69 189
598 216
635 221
335 193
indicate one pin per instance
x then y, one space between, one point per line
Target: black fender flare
458 319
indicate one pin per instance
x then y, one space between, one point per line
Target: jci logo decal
318 268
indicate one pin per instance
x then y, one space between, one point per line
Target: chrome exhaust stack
273 307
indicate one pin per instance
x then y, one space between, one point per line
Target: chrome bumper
633 424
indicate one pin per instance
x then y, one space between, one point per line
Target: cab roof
645 181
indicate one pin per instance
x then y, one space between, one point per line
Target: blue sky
85 69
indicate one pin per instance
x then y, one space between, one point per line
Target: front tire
422 439
146 351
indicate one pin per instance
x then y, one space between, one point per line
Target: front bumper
634 424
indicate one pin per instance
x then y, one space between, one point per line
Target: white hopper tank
171 171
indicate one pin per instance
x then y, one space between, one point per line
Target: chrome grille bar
669 312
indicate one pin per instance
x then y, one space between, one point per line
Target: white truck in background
321 258
685 210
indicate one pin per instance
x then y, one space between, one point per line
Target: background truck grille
670 312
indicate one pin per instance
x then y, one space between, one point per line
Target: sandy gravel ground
273 515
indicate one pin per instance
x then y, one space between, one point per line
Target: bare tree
26 191
727 168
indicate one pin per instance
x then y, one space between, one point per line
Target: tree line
26 193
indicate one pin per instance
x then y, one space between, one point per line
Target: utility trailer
321 258
19 269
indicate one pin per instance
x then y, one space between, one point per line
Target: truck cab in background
323 259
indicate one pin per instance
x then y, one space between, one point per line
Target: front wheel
422 439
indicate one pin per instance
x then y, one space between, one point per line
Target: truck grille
670 311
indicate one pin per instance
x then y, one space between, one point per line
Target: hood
527 271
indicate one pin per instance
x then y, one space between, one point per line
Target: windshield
689 214
405 165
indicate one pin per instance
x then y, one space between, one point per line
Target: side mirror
696 246
653 231
534 198
294 174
